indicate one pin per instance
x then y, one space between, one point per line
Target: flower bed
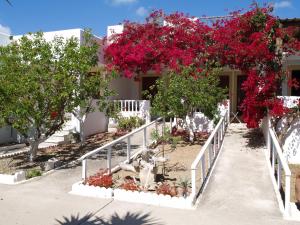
153 199
170 189
150 198
12 179
82 189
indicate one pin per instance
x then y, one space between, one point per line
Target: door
224 83
295 75
147 82
240 93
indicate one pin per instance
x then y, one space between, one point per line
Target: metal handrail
109 145
279 151
117 140
274 147
215 138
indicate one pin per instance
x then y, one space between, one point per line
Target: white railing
203 164
140 108
290 101
278 165
108 148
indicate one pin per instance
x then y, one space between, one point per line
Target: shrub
129 123
101 179
33 173
166 189
130 185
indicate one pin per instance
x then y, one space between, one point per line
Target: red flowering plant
101 179
253 42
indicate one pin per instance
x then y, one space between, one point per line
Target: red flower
53 115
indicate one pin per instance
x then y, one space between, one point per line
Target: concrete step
68 127
56 139
61 133
46 145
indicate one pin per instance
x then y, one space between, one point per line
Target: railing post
128 149
193 183
215 144
287 196
109 160
145 138
84 169
221 131
211 156
273 157
218 139
279 174
203 168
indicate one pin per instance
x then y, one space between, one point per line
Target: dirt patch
177 168
64 153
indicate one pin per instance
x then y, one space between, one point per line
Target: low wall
9 134
95 122
203 124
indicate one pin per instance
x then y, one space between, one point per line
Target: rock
19 176
148 177
127 167
52 163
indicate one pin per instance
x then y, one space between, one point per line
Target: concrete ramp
240 188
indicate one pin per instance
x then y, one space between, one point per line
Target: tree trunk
82 137
190 127
33 150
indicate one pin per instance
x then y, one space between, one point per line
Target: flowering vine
252 42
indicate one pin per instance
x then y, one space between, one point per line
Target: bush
129 123
33 173
101 179
166 189
130 185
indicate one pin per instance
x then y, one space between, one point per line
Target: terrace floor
239 192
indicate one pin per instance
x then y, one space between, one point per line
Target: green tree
180 95
43 80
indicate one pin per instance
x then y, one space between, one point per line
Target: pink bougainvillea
252 42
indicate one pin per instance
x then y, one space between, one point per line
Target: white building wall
95 122
126 89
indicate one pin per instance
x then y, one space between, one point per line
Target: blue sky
47 15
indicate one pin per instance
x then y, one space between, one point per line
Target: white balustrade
207 156
278 165
108 148
140 108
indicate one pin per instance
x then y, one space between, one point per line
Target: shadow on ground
255 138
115 219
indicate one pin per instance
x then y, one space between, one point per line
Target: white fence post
193 183
128 149
287 196
84 169
145 138
109 159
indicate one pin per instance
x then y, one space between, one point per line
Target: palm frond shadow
115 219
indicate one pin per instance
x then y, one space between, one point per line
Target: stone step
46 145
61 133
56 139
68 127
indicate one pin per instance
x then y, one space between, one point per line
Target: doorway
296 76
147 82
240 92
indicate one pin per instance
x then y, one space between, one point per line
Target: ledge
12 179
132 196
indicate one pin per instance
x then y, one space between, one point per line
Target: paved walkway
240 192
